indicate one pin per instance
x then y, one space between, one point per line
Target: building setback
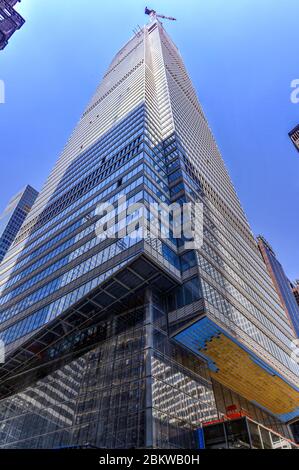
13 217
10 21
151 339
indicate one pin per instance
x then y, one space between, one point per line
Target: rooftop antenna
153 15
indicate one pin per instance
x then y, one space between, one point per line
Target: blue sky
241 55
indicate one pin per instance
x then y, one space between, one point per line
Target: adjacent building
295 288
281 282
138 341
13 217
10 21
294 136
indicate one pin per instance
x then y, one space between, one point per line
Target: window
186 294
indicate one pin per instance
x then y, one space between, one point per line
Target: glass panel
215 436
237 434
266 438
255 435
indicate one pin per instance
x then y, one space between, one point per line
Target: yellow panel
240 373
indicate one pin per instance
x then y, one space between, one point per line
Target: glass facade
134 389
99 350
243 433
13 217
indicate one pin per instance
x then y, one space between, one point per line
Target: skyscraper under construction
140 342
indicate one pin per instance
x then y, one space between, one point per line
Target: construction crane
153 14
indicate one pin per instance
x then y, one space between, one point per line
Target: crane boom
166 17
153 14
